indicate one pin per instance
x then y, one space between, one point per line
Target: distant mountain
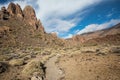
102 36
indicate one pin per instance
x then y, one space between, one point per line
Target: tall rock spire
30 17
15 10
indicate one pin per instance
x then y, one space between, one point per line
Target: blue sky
71 17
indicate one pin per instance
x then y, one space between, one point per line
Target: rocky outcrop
15 10
78 38
54 34
11 9
40 27
4 14
30 17
19 11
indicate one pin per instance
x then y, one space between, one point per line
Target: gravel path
52 70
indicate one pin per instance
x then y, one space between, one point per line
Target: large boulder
3 67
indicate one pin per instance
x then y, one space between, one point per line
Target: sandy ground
89 66
52 70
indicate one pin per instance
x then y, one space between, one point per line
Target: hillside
108 36
21 27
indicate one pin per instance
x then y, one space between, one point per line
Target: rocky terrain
27 52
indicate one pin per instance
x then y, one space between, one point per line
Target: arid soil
90 66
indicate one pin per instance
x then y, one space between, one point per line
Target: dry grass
33 66
16 62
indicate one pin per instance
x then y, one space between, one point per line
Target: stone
36 78
15 10
3 67
11 9
4 14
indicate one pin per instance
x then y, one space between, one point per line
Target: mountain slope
110 35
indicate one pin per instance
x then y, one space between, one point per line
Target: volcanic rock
4 15
11 9
15 10
29 15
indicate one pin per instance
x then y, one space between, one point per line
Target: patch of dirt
52 70
86 66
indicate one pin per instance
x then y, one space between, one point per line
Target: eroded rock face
15 10
78 38
11 9
39 26
29 16
54 34
19 11
29 13
4 14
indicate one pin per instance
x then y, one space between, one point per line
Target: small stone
36 78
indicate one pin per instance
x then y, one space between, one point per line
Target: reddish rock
15 10
40 26
19 12
54 34
30 16
4 14
78 38
11 9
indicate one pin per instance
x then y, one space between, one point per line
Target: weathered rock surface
3 67
4 14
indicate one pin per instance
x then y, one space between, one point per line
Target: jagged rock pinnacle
15 10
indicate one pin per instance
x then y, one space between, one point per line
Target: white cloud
53 11
58 25
109 15
68 36
95 27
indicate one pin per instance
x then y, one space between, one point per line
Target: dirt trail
52 70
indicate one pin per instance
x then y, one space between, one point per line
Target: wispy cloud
68 36
95 27
53 13
109 15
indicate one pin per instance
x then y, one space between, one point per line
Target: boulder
3 67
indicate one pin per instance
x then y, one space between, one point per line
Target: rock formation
15 10
78 38
4 14
28 15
